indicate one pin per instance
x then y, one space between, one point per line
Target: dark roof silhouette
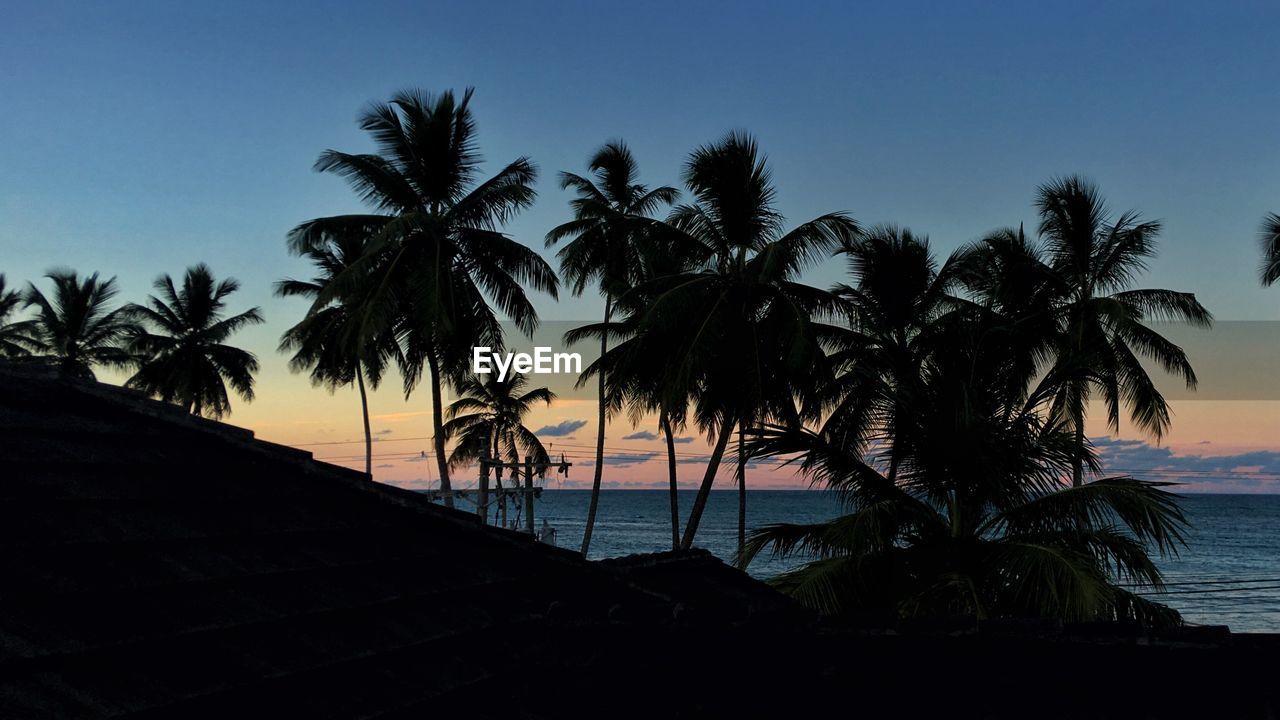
157 562
155 565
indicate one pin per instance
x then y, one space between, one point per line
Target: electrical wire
1175 472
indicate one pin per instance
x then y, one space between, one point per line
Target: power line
1209 590
1211 576
614 448
1214 473
652 451
649 451
1229 613
550 446
1213 582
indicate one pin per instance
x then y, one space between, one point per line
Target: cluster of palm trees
175 344
951 417
952 408
716 329
947 401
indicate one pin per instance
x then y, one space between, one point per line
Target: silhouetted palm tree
892 311
1270 237
15 335
329 342
736 332
954 483
969 541
438 248
1102 320
187 360
77 328
607 248
487 421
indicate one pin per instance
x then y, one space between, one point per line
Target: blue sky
141 138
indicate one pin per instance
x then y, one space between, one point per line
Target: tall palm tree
1102 318
606 247
440 257
487 421
15 335
737 328
329 343
182 351
1270 237
77 327
956 501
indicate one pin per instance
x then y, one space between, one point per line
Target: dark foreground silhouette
153 564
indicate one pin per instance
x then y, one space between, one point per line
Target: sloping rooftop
155 565
152 562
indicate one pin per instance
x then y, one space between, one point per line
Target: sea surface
1229 573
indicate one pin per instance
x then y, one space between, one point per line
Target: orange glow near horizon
290 411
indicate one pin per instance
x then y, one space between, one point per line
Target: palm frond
1269 239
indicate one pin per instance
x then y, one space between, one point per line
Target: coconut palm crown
487 422
1269 237
76 326
15 335
489 416
183 351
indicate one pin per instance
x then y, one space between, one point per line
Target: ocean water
1229 573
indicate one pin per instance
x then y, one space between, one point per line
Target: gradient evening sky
140 138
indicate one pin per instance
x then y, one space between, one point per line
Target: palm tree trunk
529 524
742 491
482 503
599 469
364 410
437 428
515 488
671 473
1079 391
708 479
1077 462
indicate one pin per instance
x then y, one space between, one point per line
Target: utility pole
528 495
